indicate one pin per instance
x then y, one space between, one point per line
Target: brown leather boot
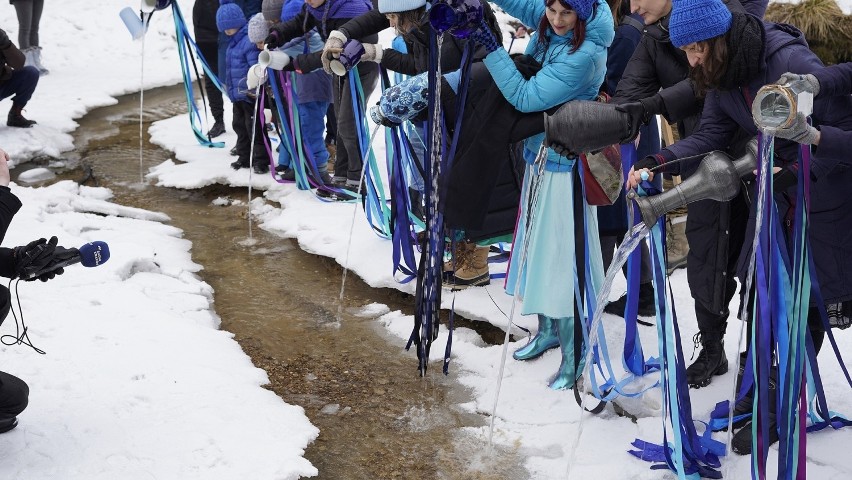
16 118
474 272
458 256
677 248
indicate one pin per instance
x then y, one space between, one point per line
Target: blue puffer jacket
725 112
564 76
241 54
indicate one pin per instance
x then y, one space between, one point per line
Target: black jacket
204 21
417 59
11 58
9 206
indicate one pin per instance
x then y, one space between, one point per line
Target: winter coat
11 59
240 56
564 75
726 112
204 21
9 206
417 59
305 21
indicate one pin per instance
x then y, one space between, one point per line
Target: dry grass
827 29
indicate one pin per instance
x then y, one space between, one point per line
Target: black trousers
242 124
14 396
347 165
210 51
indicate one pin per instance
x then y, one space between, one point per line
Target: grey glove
332 48
811 82
799 132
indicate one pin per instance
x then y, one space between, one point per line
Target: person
16 79
570 43
241 54
313 94
410 20
29 16
732 56
327 16
14 392
612 219
207 39
656 81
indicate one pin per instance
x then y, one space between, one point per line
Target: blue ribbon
186 45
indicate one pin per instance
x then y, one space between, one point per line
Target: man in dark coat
14 392
16 79
207 38
655 82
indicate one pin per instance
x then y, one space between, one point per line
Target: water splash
352 223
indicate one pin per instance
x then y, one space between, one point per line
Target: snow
116 398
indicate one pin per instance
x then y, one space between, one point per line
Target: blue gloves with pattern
485 37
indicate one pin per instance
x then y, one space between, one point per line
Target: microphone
91 254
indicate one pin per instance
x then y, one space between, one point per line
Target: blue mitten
485 37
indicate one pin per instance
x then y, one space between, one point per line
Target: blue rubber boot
543 341
568 373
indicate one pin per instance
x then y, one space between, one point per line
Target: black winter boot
647 303
744 405
711 361
16 118
217 129
741 441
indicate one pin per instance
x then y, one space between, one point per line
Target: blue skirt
545 282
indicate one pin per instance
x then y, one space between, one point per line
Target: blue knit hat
290 9
396 6
229 15
583 8
697 20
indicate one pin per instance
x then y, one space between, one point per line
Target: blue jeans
21 85
311 118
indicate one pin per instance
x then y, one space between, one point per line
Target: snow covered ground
115 398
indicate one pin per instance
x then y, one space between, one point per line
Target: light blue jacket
564 76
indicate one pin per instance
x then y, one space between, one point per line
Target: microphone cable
21 336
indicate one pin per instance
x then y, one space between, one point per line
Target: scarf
746 41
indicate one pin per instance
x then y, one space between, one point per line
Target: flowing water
377 418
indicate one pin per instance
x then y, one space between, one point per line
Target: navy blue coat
726 112
835 80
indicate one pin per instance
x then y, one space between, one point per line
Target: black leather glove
554 132
4 40
783 179
639 113
36 256
273 40
648 162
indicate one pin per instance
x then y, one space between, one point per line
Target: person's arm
14 57
715 133
295 27
835 80
369 23
528 12
556 83
9 203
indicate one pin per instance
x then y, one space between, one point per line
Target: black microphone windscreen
94 253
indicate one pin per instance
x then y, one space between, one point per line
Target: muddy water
377 418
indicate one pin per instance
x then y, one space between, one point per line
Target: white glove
255 76
332 48
372 52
